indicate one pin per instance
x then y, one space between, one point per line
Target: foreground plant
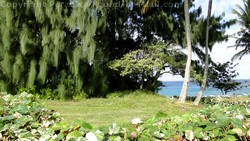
23 118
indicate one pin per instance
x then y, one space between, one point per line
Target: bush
50 94
24 118
228 101
125 93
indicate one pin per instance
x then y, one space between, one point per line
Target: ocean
173 88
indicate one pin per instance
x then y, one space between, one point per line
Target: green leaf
22 109
74 134
1 125
25 135
45 137
210 126
248 133
59 137
222 120
85 125
7 118
238 131
230 138
161 115
197 132
60 126
237 123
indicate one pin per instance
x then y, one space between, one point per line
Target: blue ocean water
173 88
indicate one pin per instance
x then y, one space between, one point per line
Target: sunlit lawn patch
120 110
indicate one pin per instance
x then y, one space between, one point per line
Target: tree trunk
204 81
185 86
142 83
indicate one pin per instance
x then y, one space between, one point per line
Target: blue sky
221 53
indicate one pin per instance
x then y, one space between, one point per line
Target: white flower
91 137
54 136
46 124
248 110
138 129
240 117
189 134
17 115
136 121
162 135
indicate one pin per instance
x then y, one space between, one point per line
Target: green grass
121 110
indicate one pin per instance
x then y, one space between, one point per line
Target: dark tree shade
222 77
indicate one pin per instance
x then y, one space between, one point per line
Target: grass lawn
121 110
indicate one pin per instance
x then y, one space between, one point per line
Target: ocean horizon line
194 81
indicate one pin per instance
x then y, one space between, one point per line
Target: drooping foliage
47 42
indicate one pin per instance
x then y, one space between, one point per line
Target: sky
221 53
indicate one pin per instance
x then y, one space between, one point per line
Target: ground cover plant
23 118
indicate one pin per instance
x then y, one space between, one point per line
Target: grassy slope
103 112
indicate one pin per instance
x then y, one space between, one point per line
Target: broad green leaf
222 120
1 126
58 137
74 134
25 135
238 131
210 126
248 133
22 109
7 118
236 122
60 126
45 137
198 132
85 125
230 138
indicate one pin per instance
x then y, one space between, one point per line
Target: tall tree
48 42
162 21
204 81
243 41
186 81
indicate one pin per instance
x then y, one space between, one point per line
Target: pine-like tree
45 42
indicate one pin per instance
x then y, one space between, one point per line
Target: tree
222 77
217 34
148 64
204 81
243 41
184 90
162 21
48 42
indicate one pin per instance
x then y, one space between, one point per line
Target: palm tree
243 41
186 81
204 81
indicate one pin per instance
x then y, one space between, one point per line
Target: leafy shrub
227 101
124 93
48 93
23 118
213 123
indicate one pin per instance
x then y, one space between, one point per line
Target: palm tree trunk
185 86
204 81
